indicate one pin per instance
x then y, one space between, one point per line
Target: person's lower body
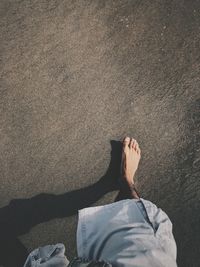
130 211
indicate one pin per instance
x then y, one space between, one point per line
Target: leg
131 155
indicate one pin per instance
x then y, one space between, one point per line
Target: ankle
128 181
128 189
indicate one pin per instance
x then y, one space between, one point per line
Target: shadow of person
22 214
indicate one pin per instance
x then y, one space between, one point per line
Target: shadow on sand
22 214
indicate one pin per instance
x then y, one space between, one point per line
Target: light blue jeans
131 232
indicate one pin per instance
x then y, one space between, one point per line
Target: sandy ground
76 76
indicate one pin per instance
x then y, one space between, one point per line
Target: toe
132 142
126 141
136 146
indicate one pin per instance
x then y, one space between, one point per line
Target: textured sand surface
75 75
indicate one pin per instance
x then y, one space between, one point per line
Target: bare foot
131 155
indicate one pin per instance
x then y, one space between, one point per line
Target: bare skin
131 155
